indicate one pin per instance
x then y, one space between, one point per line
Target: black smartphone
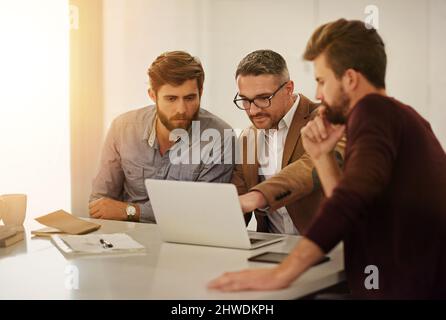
278 257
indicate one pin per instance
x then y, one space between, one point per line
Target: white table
35 269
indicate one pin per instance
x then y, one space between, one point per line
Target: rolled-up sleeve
146 213
110 178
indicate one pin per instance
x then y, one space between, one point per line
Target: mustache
259 115
180 116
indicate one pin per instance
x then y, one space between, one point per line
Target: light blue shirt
131 155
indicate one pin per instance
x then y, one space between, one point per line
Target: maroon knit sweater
389 207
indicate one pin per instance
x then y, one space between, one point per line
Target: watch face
131 211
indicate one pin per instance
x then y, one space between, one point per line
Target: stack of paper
94 243
10 235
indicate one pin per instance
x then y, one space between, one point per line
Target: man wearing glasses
280 184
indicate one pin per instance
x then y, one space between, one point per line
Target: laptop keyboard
254 240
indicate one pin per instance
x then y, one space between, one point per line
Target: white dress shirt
270 161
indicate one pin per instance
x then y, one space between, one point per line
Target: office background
66 77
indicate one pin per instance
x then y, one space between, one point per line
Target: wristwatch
131 212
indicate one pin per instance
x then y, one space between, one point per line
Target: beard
170 123
336 113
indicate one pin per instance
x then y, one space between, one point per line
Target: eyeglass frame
252 100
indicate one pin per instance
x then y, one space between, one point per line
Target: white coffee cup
13 209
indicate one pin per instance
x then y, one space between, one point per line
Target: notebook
96 244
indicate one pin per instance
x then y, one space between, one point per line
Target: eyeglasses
260 102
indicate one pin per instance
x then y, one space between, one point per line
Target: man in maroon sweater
389 203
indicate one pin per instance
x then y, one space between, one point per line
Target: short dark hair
174 68
262 62
350 44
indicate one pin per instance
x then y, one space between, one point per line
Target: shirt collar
150 133
285 122
151 118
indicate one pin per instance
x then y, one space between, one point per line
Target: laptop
202 213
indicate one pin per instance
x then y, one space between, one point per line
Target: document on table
96 243
64 222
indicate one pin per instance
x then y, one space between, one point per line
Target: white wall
221 32
236 28
135 33
403 26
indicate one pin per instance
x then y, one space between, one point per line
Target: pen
105 244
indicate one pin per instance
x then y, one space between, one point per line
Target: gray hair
261 62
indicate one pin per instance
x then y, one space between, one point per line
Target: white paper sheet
91 244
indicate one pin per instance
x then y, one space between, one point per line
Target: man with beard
161 141
389 205
281 184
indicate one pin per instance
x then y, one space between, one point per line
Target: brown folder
67 223
46 232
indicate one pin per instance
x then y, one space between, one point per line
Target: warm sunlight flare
34 103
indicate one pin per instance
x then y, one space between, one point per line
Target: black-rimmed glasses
260 102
